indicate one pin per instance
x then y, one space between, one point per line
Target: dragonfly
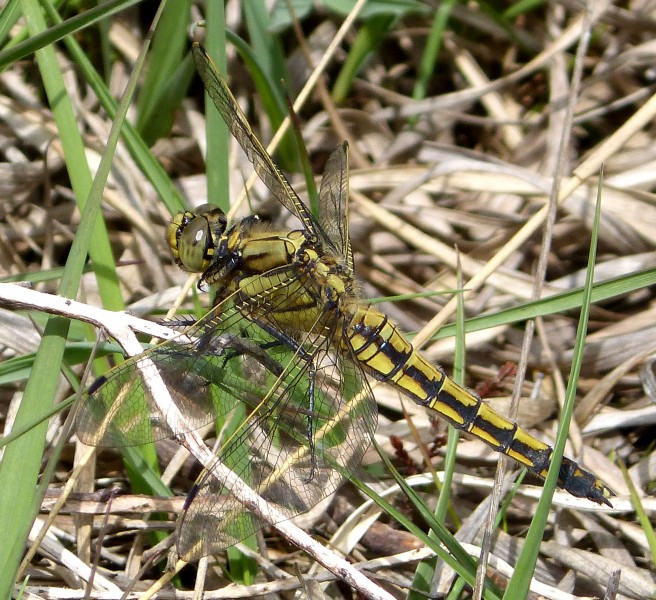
287 346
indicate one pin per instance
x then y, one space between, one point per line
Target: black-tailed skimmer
288 341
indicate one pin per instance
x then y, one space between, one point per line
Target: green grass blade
266 64
22 459
265 47
10 14
217 135
520 582
456 557
641 514
165 84
148 164
53 34
558 303
431 53
218 189
368 38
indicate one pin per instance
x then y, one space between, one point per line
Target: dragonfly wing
333 204
236 121
201 374
314 424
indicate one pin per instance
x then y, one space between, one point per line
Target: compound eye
195 245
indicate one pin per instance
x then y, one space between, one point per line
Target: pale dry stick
455 99
291 584
561 498
612 144
588 167
446 254
559 86
604 386
115 324
303 96
637 417
461 173
119 325
635 582
355 156
201 576
537 587
75 565
54 511
495 105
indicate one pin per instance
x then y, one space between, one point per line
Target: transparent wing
307 412
333 203
206 376
315 423
236 121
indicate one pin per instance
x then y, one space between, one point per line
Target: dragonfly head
194 237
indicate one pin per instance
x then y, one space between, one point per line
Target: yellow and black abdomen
389 357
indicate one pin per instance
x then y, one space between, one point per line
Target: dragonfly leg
230 345
182 323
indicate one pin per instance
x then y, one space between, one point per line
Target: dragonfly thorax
290 273
261 264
